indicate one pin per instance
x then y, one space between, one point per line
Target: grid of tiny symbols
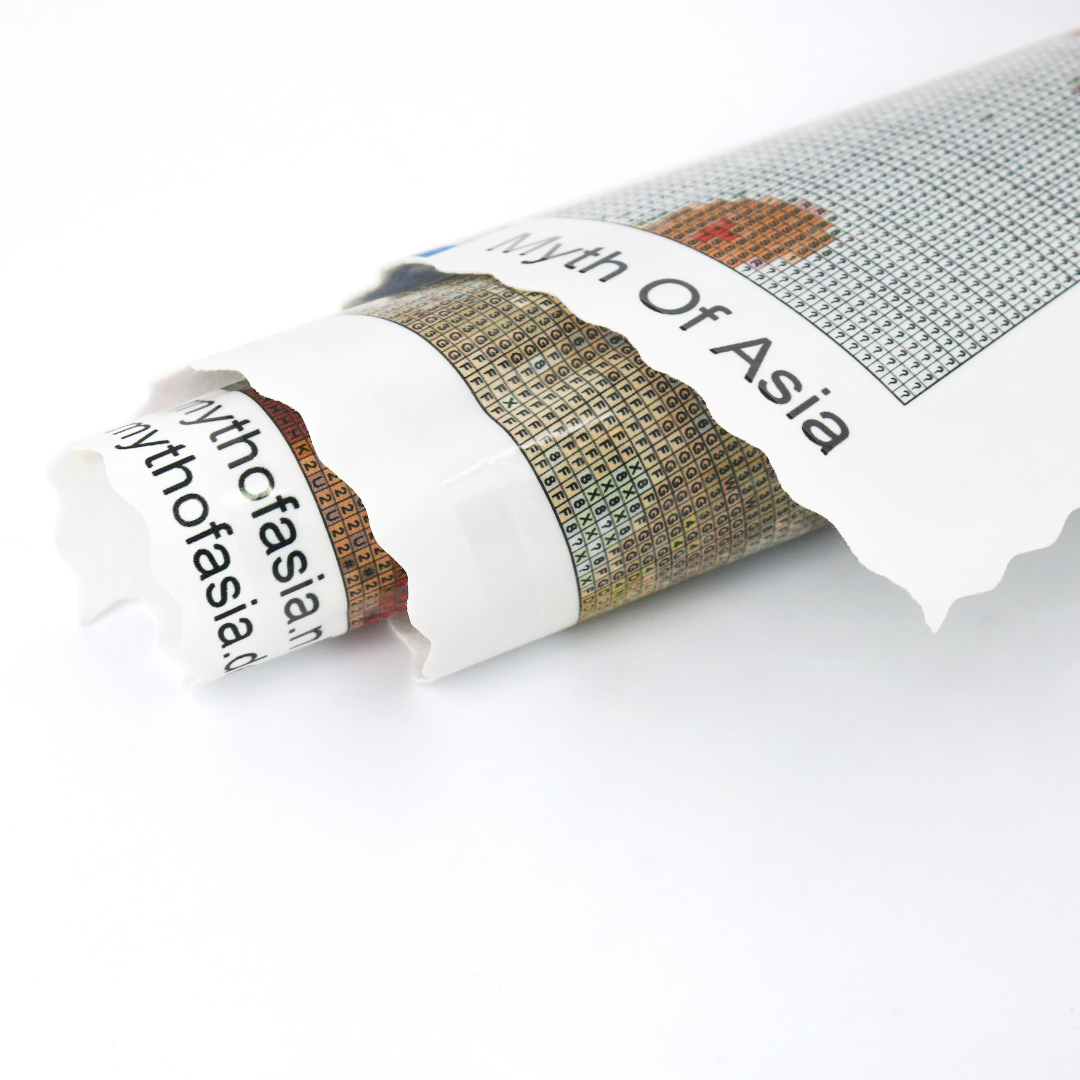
648 490
375 584
953 214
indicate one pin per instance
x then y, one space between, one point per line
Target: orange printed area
749 232
376 585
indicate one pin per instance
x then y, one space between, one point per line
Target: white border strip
937 495
448 492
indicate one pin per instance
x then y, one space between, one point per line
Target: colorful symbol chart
648 490
915 231
375 584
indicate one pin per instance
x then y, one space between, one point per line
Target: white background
761 827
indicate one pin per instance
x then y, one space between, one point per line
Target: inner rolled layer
628 484
647 490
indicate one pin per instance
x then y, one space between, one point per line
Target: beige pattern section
748 232
648 490
376 586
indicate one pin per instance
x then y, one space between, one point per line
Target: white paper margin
937 495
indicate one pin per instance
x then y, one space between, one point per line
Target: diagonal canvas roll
870 320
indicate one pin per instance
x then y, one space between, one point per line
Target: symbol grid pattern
647 489
953 208
376 586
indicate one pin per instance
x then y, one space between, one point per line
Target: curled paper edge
448 493
111 536
105 541
917 492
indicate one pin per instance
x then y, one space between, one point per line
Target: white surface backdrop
761 827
